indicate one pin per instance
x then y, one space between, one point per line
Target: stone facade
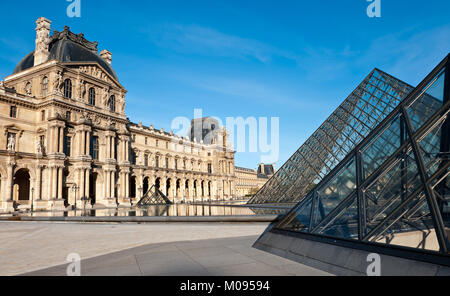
66 139
249 182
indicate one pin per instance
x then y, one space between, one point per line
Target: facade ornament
82 90
39 147
57 84
11 144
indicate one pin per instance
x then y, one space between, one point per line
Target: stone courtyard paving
39 248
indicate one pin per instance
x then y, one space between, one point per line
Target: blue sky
296 60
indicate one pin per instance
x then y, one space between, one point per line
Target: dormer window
13 112
28 88
44 86
92 96
112 104
68 88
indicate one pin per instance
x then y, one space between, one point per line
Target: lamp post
75 189
140 189
32 200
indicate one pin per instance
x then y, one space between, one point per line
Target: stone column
113 184
61 140
82 180
87 182
9 182
60 183
39 183
108 184
54 183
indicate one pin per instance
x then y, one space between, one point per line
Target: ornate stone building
248 181
66 138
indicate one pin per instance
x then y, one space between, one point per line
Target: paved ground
140 249
214 257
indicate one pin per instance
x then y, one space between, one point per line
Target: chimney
41 52
107 56
262 168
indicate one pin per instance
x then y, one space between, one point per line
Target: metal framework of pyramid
154 197
349 124
393 189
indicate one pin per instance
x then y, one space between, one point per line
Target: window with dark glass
91 96
176 164
95 148
112 104
44 86
68 88
13 112
68 146
43 115
167 162
146 160
157 161
209 168
133 157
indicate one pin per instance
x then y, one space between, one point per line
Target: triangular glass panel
357 116
413 227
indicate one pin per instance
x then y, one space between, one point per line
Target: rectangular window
68 146
146 141
43 115
176 164
167 163
157 161
94 148
209 168
13 112
146 160
68 116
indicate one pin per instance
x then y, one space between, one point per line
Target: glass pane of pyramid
344 224
413 228
428 102
379 193
358 115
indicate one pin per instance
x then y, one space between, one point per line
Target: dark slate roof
68 47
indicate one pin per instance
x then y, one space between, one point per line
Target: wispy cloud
410 54
206 41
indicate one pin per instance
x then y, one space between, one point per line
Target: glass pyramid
358 115
394 187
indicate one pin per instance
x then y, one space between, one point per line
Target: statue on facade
40 149
106 92
11 143
82 89
58 82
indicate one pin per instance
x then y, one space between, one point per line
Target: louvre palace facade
66 139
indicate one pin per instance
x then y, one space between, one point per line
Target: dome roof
68 47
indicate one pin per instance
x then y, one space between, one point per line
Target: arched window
44 86
68 88
112 104
92 96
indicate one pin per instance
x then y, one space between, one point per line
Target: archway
178 189
133 187
186 189
93 177
203 188
145 186
22 185
168 187
195 188
158 184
